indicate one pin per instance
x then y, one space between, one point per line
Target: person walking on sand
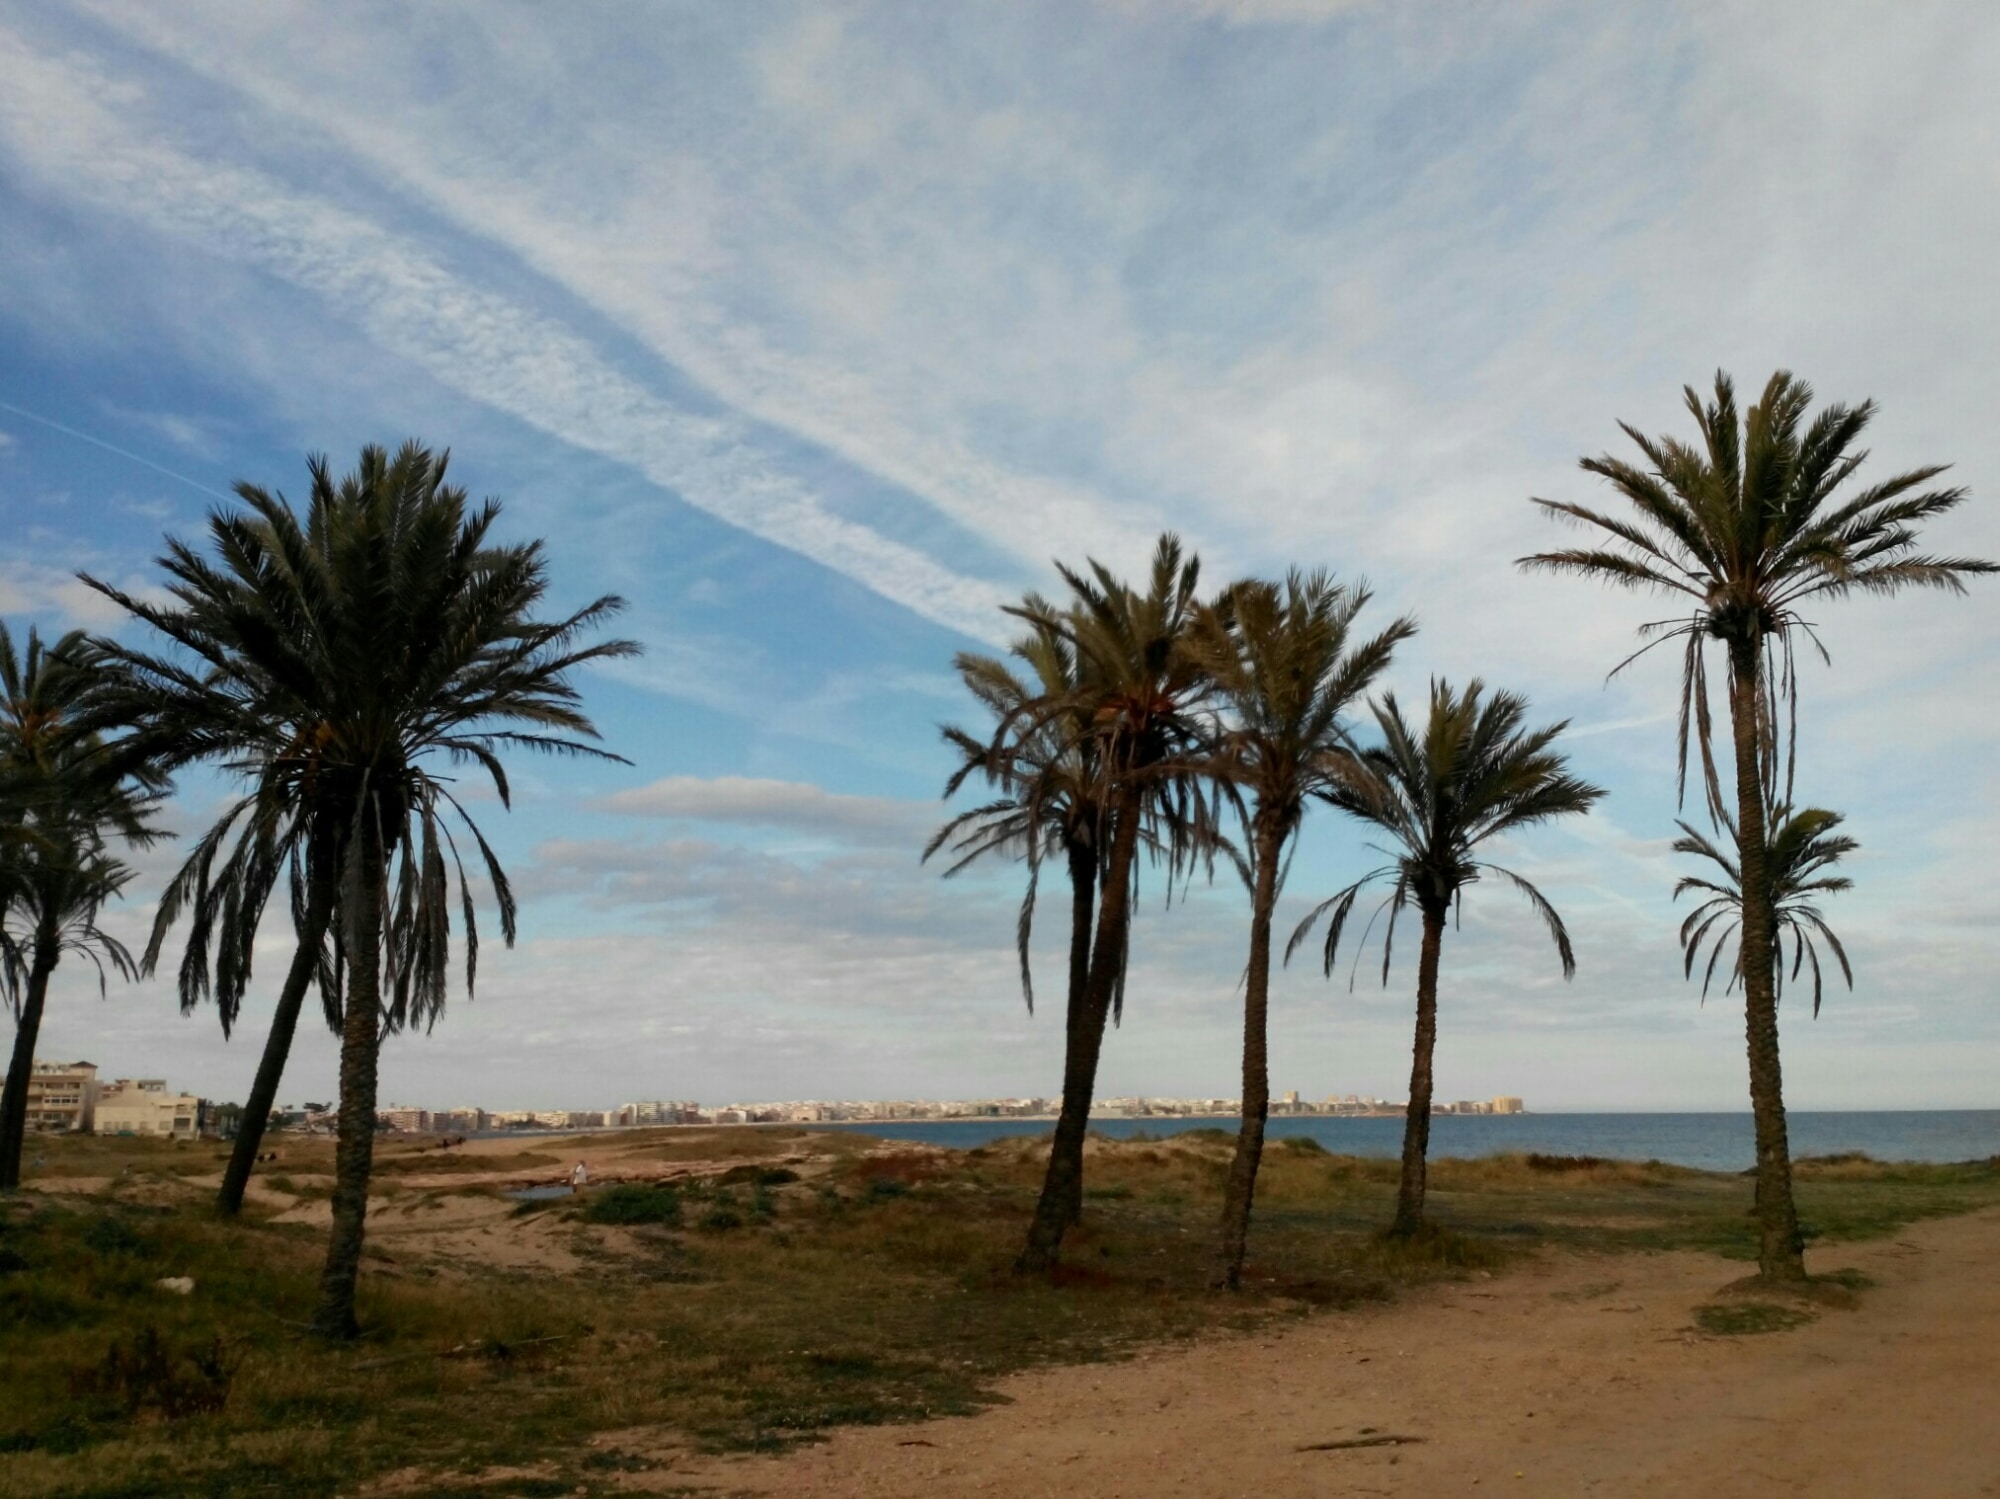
579 1175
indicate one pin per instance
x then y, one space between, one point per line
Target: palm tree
344 658
1286 670
1745 530
1474 773
1138 695
1802 845
1044 805
64 799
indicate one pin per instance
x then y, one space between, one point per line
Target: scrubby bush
152 1372
632 1204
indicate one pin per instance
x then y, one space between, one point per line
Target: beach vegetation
1742 530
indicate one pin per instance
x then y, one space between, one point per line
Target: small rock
180 1285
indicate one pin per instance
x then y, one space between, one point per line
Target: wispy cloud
470 339
792 806
28 588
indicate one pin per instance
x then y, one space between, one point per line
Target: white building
62 1097
143 1106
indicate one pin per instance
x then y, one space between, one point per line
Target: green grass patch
631 1204
1738 1319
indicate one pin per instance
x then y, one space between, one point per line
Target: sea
1710 1142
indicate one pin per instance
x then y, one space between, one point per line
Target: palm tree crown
1802 847
1748 528
339 661
1472 773
1284 665
65 796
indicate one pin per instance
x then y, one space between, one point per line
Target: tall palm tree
1286 669
64 800
1139 693
1802 846
1744 531
1471 774
350 655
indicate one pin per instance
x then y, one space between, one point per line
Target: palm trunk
277 1049
1241 1186
1780 1250
14 1107
1062 1187
360 1052
1417 1119
1082 915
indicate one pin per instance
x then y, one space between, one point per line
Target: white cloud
28 588
789 805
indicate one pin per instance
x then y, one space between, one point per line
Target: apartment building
62 1097
143 1106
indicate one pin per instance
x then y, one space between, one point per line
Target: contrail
111 447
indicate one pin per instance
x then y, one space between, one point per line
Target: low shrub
1735 1319
154 1373
757 1176
631 1204
1539 1162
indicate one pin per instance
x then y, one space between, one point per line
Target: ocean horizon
1707 1141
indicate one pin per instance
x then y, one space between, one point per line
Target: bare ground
1573 1375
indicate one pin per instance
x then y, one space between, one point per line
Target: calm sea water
1713 1142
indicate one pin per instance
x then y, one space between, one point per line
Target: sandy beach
1573 1375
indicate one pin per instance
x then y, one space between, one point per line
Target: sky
819 332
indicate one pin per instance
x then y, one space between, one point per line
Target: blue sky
817 331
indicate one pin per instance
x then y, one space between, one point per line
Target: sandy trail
1573 1376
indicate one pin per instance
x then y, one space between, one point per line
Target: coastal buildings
66 1096
62 1097
404 1119
143 1106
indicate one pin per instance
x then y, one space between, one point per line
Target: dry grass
873 1287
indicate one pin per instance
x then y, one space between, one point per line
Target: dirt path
1575 1376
